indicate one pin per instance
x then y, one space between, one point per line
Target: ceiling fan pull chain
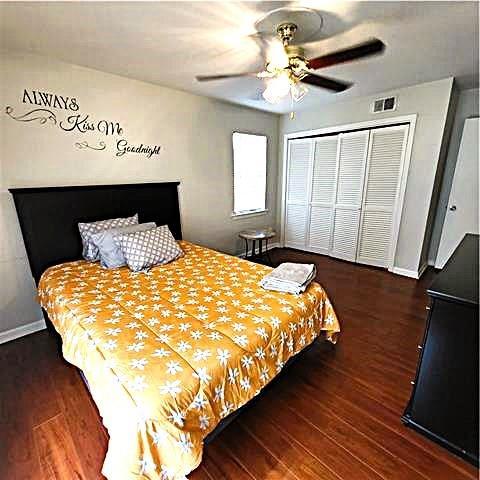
292 111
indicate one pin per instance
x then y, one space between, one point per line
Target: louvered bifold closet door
348 201
298 192
324 173
381 192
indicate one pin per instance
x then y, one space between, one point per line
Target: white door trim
380 122
336 129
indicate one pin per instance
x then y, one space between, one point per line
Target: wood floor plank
276 440
336 463
81 415
201 473
357 444
58 457
220 463
377 431
18 457
258 461
38 383
343 389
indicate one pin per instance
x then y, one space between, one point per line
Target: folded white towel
289 278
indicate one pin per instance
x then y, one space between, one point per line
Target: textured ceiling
168 43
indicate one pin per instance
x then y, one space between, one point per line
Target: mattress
171 352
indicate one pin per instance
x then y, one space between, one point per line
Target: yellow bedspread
169 353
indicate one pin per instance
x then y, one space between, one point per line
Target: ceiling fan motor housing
295 51
286 31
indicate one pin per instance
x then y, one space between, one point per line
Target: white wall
467 107
195 133
430 101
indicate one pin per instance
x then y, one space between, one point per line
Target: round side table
261 235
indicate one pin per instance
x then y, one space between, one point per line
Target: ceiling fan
287 70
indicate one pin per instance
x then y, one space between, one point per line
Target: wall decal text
77 122
123 147
50 100
84 124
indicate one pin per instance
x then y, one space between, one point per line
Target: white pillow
90 251
146 249
107 242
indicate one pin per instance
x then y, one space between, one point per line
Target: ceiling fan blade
325 82
370 47
208 78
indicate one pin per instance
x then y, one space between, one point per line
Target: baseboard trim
410 273
22 330
271 246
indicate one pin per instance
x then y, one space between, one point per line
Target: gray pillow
107 242
146 249
90 251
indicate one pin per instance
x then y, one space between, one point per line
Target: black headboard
49 216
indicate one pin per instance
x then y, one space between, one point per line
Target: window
249 173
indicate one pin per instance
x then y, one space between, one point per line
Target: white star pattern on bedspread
184 344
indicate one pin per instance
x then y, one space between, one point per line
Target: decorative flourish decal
40 114
85 144
77 122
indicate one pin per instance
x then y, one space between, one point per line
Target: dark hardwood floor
333 414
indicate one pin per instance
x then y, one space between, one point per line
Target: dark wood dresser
444 400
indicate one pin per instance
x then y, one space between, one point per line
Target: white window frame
253 212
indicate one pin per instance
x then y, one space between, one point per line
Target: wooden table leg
267 254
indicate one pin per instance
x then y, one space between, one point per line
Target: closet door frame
369 124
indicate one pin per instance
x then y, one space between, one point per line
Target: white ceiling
168 43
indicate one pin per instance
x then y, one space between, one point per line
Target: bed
169 355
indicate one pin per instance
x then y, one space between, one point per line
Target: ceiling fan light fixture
277 57
269 96
278 87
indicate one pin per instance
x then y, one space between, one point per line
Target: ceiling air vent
384 105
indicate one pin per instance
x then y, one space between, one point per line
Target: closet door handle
453 208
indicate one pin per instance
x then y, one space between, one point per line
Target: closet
342 193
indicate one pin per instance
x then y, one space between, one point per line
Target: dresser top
458 281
